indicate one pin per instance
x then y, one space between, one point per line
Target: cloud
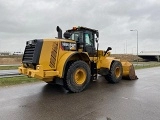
23 20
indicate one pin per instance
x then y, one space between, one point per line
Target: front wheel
115 72
78 76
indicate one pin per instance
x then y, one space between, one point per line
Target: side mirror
97 34
96 39
108 49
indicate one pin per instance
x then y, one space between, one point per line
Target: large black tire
77 76
115 72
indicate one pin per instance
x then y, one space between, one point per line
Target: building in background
5 53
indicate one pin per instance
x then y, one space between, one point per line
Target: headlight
37 67
31 42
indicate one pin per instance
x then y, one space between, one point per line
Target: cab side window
89 39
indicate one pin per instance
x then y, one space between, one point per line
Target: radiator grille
28 54
32 52
53 55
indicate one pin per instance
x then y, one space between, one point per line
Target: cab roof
80 28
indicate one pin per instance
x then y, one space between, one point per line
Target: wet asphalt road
8 72
127 100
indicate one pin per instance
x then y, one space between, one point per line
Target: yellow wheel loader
73 61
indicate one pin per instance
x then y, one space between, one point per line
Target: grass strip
146 65
8 67
24 79
16 80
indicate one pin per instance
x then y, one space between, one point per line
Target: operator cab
84 37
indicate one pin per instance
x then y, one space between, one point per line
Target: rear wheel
115 72
78 76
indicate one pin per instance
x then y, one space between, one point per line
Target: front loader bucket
128 71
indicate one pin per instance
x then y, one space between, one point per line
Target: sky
23 20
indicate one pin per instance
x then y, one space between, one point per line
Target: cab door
89 44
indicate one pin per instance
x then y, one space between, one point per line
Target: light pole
126 46
137 44
137 40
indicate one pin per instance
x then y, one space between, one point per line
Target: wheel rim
80 76
117 72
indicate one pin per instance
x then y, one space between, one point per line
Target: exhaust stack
59 32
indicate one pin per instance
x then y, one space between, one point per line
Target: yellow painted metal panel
49 52
62 61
